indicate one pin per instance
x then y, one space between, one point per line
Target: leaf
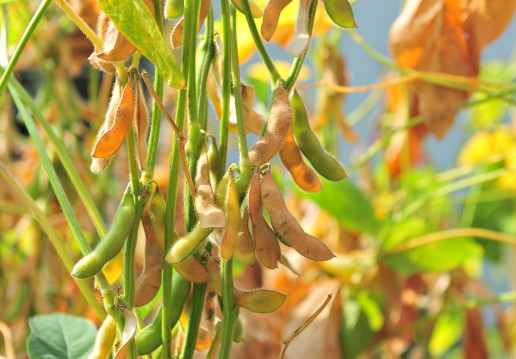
488 19
133 19
60 336
340 12
347 203
433 257
446 332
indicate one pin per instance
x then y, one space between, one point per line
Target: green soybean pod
174 8
340 12
149 338
111 244
324 163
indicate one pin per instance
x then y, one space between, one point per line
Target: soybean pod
324 163
149 338
111 244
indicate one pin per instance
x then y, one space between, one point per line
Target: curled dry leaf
210 216
304 176
117 122
102 65
230 237
446 36
271 16
301 39
280 119
287 226
128 333
266 243
284 260
244 251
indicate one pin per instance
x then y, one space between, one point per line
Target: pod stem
229 309
274 74
194 319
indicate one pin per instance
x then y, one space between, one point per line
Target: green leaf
347 203
340 12
60 336
133 19
434 257
446 332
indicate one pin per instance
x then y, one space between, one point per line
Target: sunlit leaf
446 332
348 204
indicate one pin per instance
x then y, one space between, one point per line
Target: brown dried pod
280 119
287 225
117 122
176 37
266 243
271 16
210 216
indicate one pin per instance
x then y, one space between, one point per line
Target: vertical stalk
229 309
195 138
152 153
198 293
226 87
207 52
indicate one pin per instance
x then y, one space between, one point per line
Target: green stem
153 146
275 76
54 238
64 156
242 139
207 51
229 308
298 62
226 87
195 138
192 329
58 190
23 42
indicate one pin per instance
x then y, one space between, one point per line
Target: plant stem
229 309
152 149
54 238
226 87
58 190
242 139
64 156
192 329
274 74
23 42
195 138
207 51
